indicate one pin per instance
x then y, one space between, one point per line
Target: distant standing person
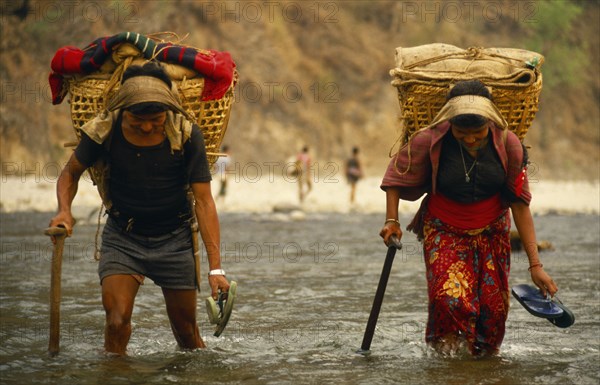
222 166
303 163
354 172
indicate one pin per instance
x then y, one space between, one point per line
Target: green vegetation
555 34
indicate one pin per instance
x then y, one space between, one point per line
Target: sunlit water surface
305 292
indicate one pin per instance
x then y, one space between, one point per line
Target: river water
305 289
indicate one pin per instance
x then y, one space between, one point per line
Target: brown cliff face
311 73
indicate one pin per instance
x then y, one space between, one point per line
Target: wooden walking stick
378 300
196 250
195 241
59 234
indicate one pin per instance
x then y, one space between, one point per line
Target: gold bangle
535 265
392 220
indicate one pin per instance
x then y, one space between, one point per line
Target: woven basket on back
424 75
212 116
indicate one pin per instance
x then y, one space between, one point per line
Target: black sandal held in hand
552 309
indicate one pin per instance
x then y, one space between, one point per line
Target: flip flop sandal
213 310
565 320
535 303
220 311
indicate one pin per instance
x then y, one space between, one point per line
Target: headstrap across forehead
144 89
470 104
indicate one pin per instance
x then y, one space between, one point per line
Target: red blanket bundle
216 67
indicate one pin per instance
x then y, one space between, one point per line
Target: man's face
145 125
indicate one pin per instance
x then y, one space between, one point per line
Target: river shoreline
276 193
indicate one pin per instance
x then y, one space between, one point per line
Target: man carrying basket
155 155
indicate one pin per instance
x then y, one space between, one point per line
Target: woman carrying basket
472 169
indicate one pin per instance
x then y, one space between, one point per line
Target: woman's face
473 137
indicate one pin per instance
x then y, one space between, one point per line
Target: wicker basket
212 116
424 83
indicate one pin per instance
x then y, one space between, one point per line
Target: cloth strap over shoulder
177 128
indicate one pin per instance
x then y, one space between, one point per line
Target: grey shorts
167 259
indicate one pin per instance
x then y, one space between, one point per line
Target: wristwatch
216 272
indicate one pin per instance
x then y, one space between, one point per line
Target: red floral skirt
467 282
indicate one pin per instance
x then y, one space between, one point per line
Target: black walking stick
395 244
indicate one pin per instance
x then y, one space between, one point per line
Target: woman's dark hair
152 69
469 87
